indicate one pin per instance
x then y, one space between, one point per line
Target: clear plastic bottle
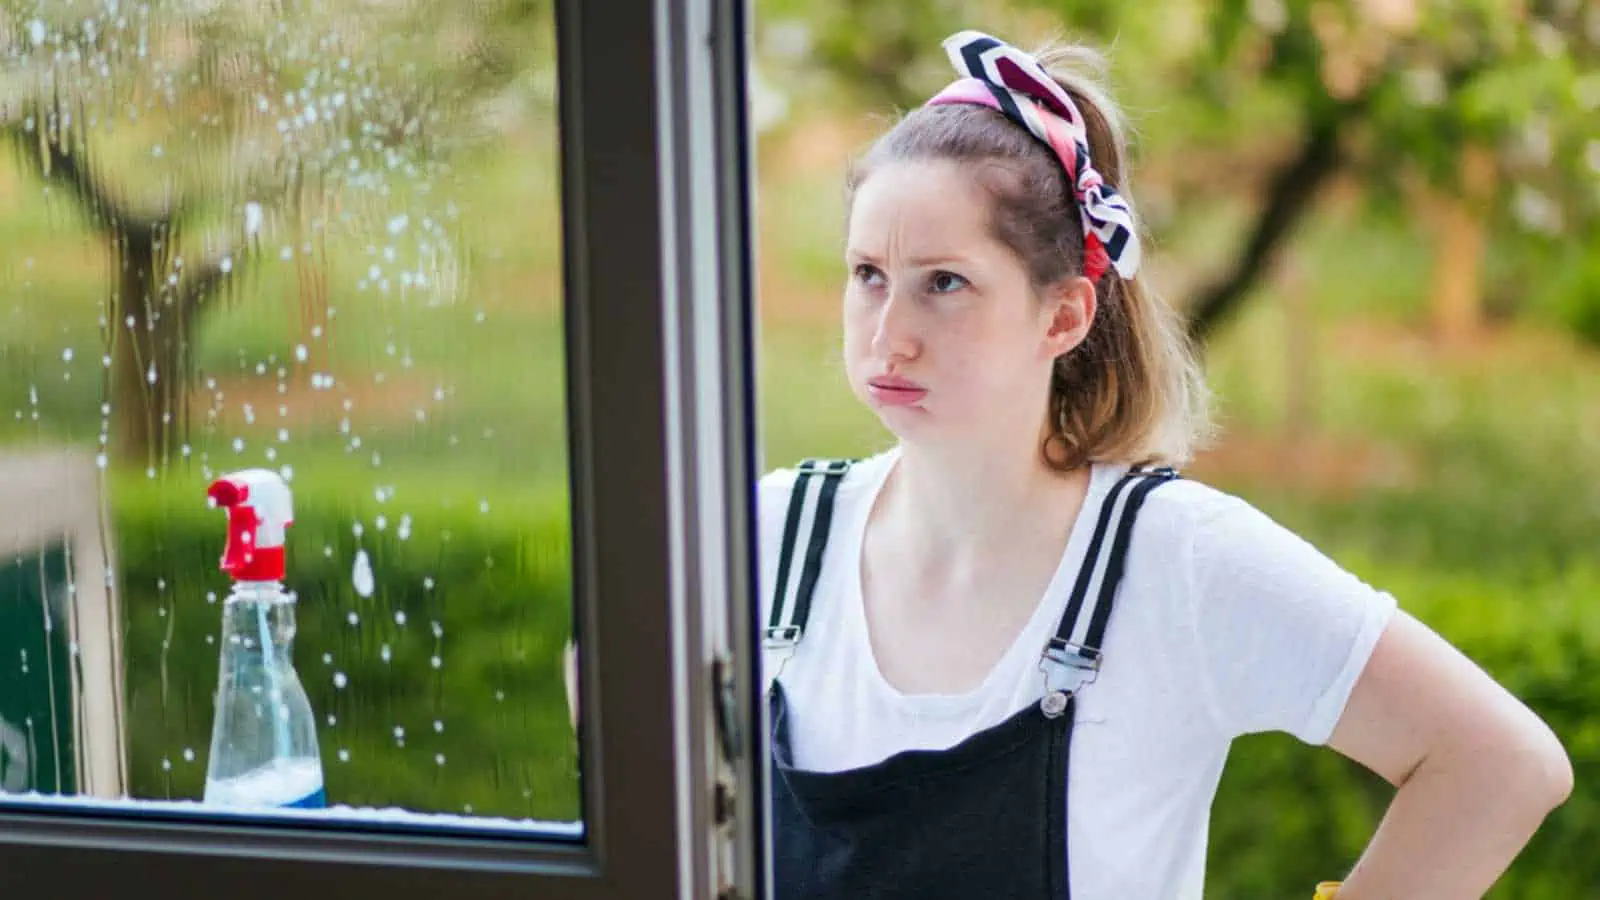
264 737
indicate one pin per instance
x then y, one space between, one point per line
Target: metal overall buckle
779 643
1067 667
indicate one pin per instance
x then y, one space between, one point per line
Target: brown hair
1132 391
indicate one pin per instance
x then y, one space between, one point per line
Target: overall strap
807 524
1072 658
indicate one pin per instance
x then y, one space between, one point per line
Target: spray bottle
264 739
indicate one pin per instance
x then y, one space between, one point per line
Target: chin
906 422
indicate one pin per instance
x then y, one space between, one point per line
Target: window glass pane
319 238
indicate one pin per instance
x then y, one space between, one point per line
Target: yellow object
1327 890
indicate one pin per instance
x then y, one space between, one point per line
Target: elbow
1550 774
1559 777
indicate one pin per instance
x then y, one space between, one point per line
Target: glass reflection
320 239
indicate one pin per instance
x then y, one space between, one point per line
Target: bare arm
1477 771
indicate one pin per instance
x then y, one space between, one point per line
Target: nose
896 337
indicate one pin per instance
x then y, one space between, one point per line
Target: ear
1070 305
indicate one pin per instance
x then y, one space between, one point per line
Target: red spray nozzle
259 509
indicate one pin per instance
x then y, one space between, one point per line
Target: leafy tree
198 136
1387 89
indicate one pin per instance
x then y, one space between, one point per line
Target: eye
946 282
868 275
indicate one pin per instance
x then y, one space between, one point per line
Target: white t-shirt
1225 624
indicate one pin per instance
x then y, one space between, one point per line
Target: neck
954 501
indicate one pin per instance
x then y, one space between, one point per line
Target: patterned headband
999 76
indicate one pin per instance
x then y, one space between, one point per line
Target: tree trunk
151 316
152 330
1462 222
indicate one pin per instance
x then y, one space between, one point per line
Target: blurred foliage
1282 93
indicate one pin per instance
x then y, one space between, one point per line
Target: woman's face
945 336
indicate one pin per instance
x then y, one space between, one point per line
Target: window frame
658 333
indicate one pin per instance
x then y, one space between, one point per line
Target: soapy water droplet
66 355
438 758
436 662
361 577
438 726
327 659
438 630
403 531
332 720
344 755
399 733
353 619
385 652
400 617
188 754
340 680
211 597
166 765
252 217
381 523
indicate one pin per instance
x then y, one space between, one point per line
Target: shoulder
1222 541
774 490
1183 509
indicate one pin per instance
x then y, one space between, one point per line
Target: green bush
1288 815
492 709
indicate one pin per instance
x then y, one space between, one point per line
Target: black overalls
986 818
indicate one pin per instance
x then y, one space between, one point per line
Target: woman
985 680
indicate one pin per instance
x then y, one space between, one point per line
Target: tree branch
1289 197
78 175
